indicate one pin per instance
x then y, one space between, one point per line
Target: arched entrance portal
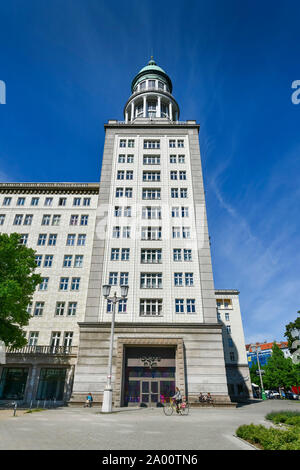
149 375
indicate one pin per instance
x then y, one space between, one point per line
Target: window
181 158
130 158
189 279
38 260
68 337
115 254
28 219
182 175
172 143
151 144
160 85
24 238
150 307
74 219
151 255
48 201
71 239
84 220
72 307
127 211
125 254
228 328
230 342
52 239
151 281
62 201
122 306
121 158
35 201
81 239
180 143
151 233
176 232
219 317
75 283
76 201
151 175
173 175
18 219
21 201
126 232
186 232
175 212
119 192
86 201
151 212
38 309
177 254
60 308
48 261
64 283
118 211
67 263
29 308
178 279
42 239
151 159
44 283
131 143
113 279
174 193
172 158
56 220
183 193
190 306
124 279
129 175
55 339
128 192
46 219
6 201
116 232
151 194
179 305
187 255
122 143
33 338
231 355
227 316
184 211
120 175
78 263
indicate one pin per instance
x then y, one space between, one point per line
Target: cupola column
132 110
170 111
158 109
144 106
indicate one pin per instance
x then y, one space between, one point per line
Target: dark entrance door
149 376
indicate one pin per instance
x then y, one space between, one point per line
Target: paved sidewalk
145 429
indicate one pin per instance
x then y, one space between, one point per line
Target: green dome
151 70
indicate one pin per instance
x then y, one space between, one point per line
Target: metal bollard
44 403
15 409
30 404
38 404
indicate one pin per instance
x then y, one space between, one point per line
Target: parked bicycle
170 408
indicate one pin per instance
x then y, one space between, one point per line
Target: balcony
44 350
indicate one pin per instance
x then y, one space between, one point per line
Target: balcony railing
50 350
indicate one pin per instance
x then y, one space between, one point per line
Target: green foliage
270 439
17 284
291 418
279 371
254 377
288 329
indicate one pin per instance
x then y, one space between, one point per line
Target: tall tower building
151 233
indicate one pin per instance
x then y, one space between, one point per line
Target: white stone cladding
49 322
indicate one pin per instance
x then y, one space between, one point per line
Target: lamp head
124 291
106 290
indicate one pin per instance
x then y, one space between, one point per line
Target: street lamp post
107 394
257 349
295 332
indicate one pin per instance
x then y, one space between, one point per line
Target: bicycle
171 407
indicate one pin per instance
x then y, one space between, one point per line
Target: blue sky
68 65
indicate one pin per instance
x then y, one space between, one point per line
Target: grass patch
272 438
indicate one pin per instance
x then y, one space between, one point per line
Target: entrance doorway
149 376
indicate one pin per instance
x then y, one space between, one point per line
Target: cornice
49 188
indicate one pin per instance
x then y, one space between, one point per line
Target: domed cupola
151 96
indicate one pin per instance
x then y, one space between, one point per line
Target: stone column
132 111
126 117
144 106
31 385
158 109
170 111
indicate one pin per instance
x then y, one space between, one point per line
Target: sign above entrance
150 361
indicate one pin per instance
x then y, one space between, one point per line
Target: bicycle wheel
185 410
168 410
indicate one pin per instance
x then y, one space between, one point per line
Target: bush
287 417
270 439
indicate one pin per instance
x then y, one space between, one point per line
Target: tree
288 328
279 371
17 284
254 376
